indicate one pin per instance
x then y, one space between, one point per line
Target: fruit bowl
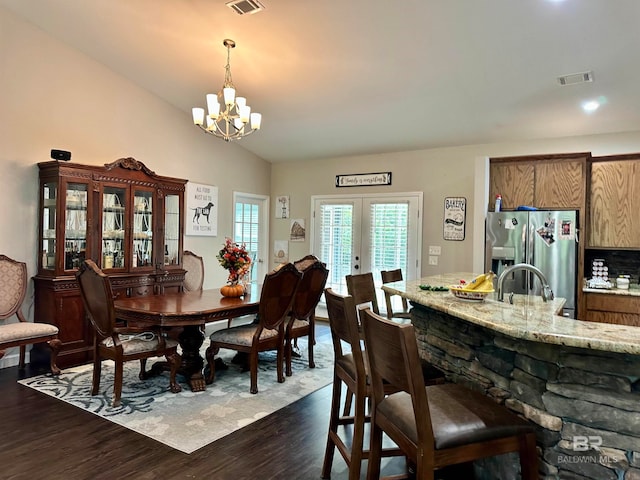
459 291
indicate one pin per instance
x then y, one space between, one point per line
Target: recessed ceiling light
591 106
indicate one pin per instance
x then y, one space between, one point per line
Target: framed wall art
201 217
455 213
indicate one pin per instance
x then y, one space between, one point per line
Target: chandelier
228 117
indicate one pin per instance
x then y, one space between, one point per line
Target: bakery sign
455 211
363 179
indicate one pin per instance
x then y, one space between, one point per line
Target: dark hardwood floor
47 439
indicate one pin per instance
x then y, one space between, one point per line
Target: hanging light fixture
228 117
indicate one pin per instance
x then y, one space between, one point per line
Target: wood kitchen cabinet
121 215
612 308
614 202
544 181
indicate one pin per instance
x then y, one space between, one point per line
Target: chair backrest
277 295
194 266
97 297
389 276
13 287
363 290
343 322
394 362
314 278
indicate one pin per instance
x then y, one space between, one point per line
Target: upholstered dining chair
389 276
119 343
302 319
194 266
350 369
438 425
278 291
13 288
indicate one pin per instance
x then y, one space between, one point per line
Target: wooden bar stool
438 425
349 369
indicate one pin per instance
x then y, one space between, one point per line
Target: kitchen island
577 381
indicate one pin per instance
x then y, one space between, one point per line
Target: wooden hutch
121 215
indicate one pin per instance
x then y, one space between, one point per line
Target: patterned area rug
189 420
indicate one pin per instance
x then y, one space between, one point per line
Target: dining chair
13 289
194 267
120 343
437 425
350 368
267 333
363 290
303 311
389 276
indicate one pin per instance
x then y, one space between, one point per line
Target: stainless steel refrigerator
543 238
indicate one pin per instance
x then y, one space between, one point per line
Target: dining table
190 312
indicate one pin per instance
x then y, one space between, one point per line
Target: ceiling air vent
575 78
245 7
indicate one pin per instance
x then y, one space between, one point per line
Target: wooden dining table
189 311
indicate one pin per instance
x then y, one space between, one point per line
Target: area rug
189 420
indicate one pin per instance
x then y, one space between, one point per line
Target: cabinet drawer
613 303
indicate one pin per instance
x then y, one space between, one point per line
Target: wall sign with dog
202 210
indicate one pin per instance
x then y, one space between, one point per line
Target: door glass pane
246 230
113 204
50 193
336 243
171 229
143 228
75 231
388 237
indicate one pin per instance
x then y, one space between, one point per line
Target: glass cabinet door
113 225
50 194
75 229
142 228
171 230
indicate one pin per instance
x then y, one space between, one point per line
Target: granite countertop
529 318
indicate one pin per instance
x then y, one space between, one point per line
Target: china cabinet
123 216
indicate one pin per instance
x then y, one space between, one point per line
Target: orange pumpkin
236 290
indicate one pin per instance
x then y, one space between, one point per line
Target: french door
251 228
367 233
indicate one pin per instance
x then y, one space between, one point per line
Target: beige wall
55 97
439 173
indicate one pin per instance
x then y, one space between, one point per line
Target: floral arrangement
234 258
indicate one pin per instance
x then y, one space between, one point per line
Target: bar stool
349 369
437 425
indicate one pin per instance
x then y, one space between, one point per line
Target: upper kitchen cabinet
123 216
542 181
614 202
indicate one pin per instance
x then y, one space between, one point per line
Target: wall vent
575 78
245 7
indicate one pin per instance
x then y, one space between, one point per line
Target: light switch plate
433 260
435 250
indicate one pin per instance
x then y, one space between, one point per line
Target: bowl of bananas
476 290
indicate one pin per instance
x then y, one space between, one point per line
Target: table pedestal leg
191 339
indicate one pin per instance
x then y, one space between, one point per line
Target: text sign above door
363 179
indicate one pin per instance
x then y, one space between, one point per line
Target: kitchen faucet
547 293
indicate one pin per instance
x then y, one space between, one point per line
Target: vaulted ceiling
335 77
